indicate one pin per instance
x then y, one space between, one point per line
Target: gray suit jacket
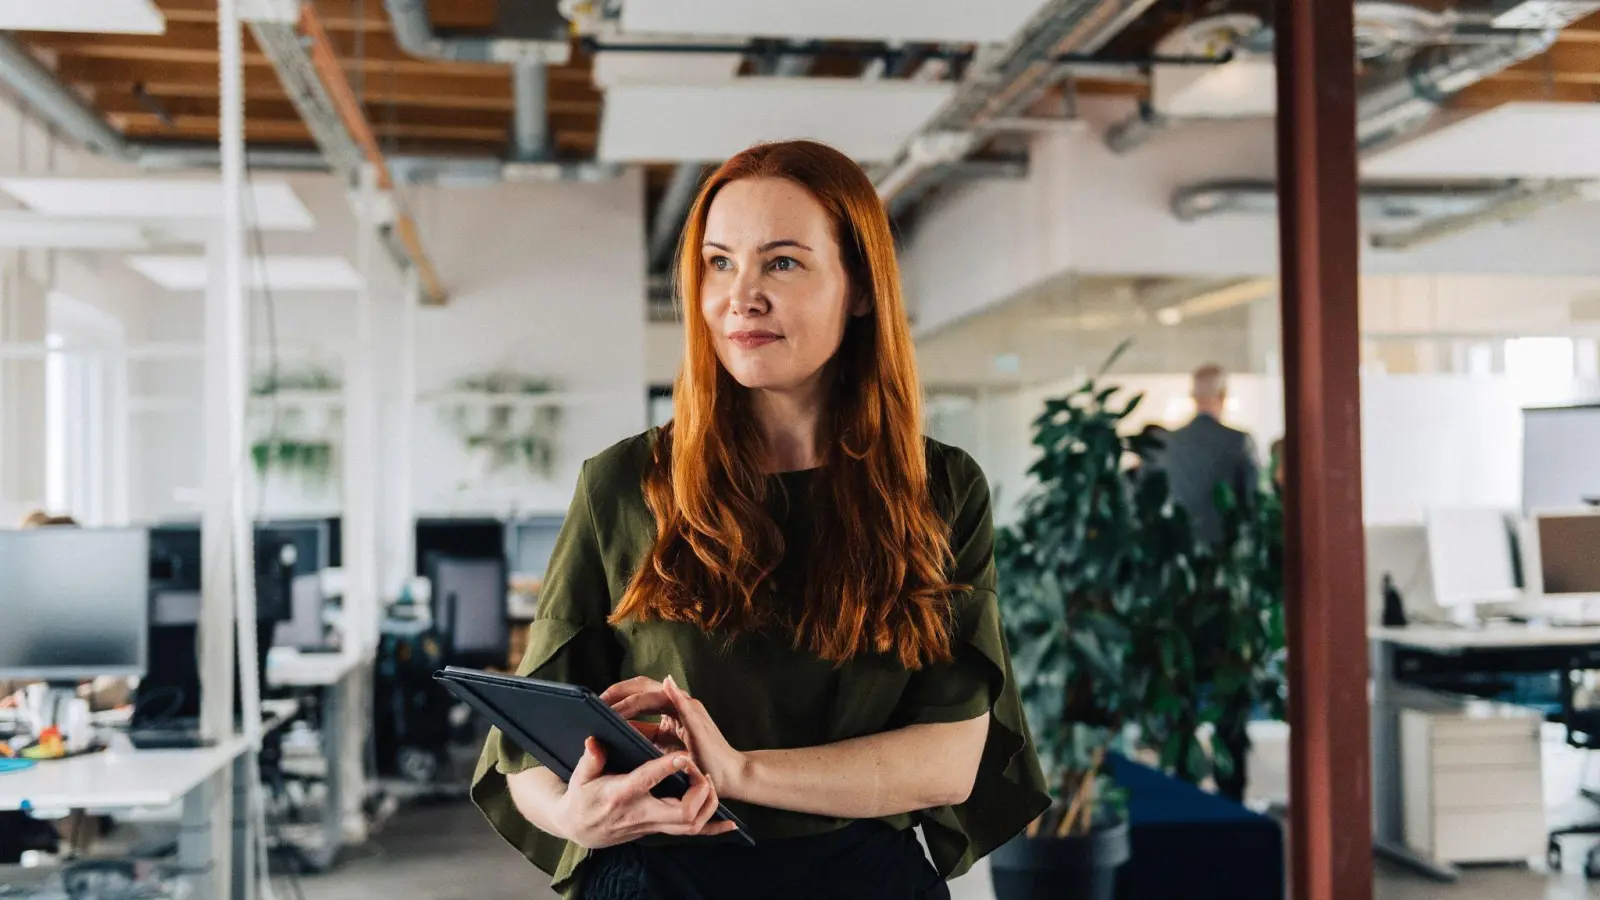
1198 457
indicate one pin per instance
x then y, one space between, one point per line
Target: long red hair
879 546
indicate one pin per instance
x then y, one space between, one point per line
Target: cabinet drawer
1473 731
1485 788
1489 835
1522 752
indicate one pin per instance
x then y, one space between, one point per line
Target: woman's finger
591 765
627 688
646 703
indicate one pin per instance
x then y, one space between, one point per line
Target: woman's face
773 288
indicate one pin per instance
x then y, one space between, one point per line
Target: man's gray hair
1210 382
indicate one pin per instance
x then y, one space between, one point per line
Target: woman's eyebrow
769 245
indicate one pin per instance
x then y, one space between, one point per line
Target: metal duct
1405 95
1020 74
40 89
1378 202
530 124
529 36
671 212
1517 202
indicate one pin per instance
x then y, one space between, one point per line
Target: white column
401 508
24 320
361 466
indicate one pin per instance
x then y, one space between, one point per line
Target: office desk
1399 655
334 676
122 777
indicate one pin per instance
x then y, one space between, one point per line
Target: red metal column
1330 753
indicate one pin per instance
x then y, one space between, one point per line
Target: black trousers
867 860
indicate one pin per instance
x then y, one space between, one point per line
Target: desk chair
1583 732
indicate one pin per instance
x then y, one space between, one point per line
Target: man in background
1205 453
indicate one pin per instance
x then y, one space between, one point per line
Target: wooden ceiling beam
1497 91
493 81
205 127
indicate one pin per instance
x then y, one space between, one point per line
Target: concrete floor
444 851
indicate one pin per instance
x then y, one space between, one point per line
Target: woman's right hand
599 810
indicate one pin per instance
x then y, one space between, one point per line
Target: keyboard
166 738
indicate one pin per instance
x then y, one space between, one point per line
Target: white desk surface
120 777
287 667
1436 637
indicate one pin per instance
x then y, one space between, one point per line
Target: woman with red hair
791 576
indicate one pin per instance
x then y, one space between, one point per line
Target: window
1542 369
80 405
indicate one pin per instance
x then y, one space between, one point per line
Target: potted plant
499 420
1074 609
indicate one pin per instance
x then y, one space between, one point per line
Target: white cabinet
1473 782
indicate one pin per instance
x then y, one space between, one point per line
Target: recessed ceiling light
119 16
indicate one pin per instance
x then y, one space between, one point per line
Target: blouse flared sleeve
1009 791
568 641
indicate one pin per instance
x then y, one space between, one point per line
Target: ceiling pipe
402 232
1423 72
543 43
1019 75
39 88
530 123
1522 200
671 213
1378 202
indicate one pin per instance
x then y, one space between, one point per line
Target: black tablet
551 721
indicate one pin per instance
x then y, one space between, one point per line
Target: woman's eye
785 264
721 263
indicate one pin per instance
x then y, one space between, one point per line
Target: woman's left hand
684 720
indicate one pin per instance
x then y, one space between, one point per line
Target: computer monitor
175 561
311 539
469 608
460 538
1399 551
1569 553
74 602
1472 554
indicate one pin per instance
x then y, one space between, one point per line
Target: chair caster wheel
1552 855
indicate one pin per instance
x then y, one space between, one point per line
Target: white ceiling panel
867 120
274 203
864 20
121 16
1526 140
275 273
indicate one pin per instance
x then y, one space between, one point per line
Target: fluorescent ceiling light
121 16
274 203
274 273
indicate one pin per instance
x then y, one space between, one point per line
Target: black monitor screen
459 538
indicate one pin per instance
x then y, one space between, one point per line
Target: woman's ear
861 305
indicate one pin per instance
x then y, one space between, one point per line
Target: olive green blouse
761 691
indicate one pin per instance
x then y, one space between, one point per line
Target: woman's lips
750 340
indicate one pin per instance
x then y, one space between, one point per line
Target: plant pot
1073 868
